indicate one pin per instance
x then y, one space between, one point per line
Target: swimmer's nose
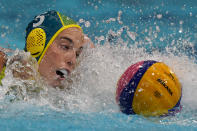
71 62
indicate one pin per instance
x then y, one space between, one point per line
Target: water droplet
159 16
87 24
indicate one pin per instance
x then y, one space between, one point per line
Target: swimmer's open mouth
62 73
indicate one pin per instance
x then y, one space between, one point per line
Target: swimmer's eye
64 47
66 43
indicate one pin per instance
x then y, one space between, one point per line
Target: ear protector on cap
36 42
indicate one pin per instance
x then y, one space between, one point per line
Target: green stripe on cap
66 20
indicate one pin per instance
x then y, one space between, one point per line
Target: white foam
93 83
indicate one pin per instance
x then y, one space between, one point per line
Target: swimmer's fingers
6 50
24 73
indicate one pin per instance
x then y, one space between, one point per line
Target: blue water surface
157 23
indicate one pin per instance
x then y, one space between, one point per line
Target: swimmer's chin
55 84
60 84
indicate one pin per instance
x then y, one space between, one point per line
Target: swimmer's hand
23 71
23 67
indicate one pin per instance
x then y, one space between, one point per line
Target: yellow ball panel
158 91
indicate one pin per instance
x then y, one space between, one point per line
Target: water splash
92 85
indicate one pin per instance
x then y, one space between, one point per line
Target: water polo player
56 41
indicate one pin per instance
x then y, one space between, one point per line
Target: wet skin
2 60
62 55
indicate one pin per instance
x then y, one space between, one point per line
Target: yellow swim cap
41 32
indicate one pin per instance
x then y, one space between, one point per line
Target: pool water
124 32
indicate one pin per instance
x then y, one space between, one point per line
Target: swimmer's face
60 58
